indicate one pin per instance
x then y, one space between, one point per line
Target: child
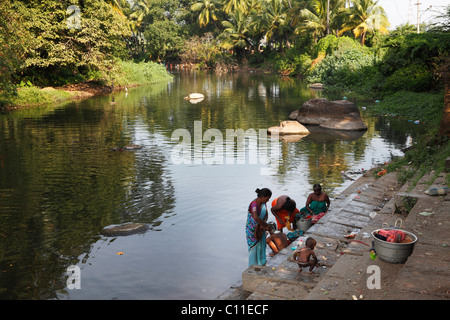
302 256
277 242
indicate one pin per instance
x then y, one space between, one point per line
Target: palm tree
233 5
117 5
275 17
140 9
237 31
208 9
319 16
366 16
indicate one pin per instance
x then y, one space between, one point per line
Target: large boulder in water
336 115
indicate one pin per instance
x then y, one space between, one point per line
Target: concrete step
351 212
280 278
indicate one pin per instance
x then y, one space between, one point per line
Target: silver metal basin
394 252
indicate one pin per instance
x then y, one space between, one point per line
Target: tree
236 5
276 20
208 10
162 36
13 41
117 5
441 22
201 50
236 32
366 16
140 8
444 127
58 52
313 18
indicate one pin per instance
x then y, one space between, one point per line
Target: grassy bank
123 74
429 152
425 107
427 155
131 73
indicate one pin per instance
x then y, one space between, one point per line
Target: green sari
316 207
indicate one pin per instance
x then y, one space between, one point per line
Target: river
61 184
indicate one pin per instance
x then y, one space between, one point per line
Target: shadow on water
61 184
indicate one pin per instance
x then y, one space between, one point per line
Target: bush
129 72
426 107
343 67
29 95
199 50
346 63
256 59
405 50
415 77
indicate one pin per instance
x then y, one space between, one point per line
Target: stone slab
348 222
280 290
334 230
264 296
367 200
254 276
356 215
362 205
357 210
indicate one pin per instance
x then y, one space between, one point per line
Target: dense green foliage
55 43
401 62
130 72
345 46
61 53
423 106
45 43
124 73
12 47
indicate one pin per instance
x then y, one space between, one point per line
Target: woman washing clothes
317 203
284 209
256 227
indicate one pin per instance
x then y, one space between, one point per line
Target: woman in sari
317 203
284 209
256 228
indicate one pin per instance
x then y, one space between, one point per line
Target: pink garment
317 217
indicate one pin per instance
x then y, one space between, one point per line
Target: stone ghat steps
350 212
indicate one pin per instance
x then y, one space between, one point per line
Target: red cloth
317 217
392 235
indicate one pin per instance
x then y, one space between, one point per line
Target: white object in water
195 97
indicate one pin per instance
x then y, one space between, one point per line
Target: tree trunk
363 38
445 121
288 43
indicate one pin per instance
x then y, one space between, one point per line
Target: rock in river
124 229
289 127
336 115
195 97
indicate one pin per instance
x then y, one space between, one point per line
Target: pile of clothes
391 235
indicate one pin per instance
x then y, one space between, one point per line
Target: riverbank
343 274
33 96
125 74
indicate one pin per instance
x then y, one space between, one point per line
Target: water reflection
60 185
